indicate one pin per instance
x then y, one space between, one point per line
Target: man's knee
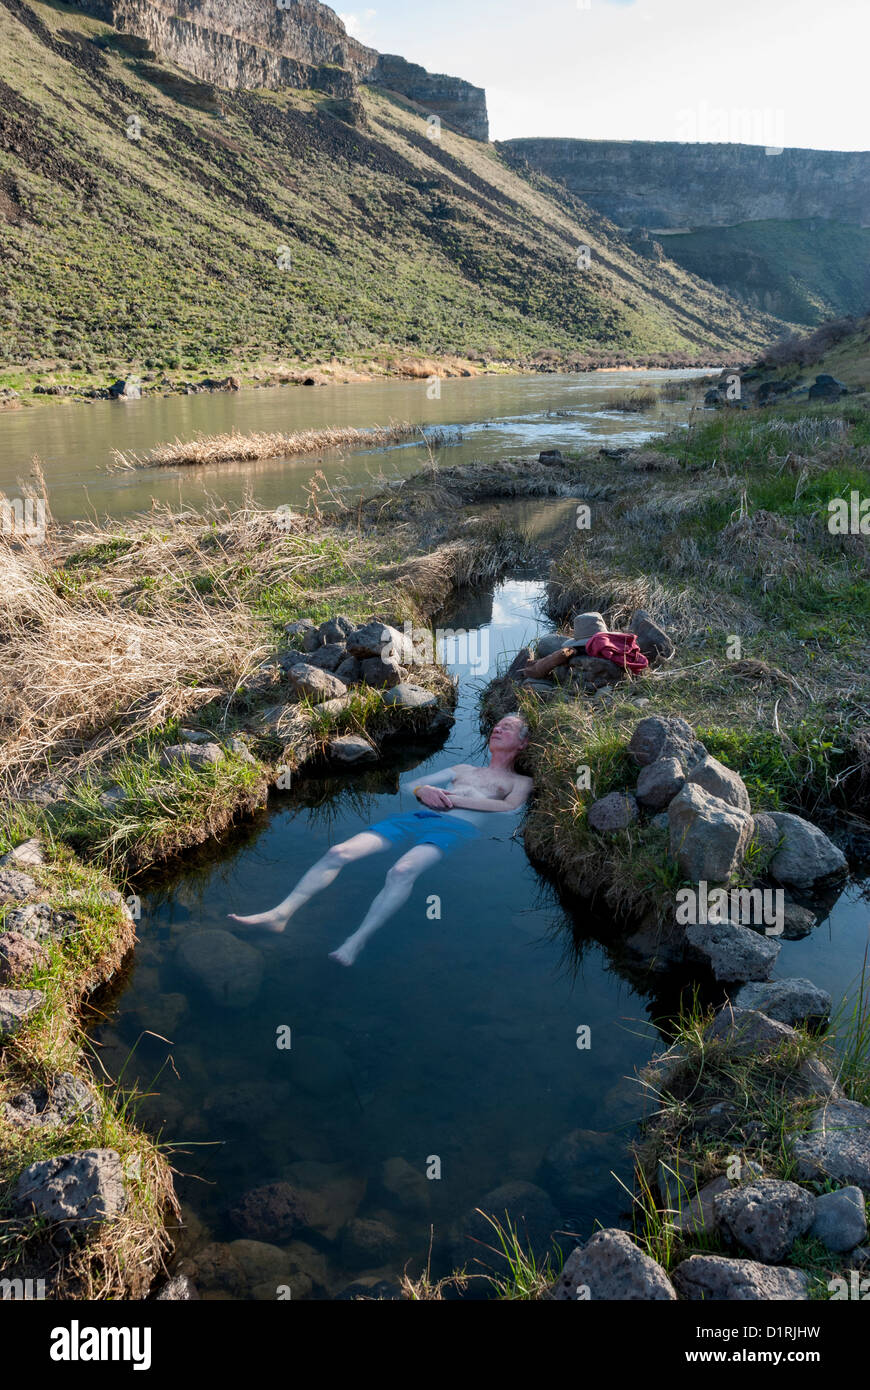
402 872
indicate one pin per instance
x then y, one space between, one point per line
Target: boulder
765 1217
721 782
792 1001
570 1169
19 956
806 855
16 1007
732 952
310 682
300 627
661 736
126 390
692 1214
586 625
616 811
596 670
274 1211
229 970
708 838
653 641
179 1289
410 696
840 1219
28 852
837 1145
15 885
368 1244
550 456
381 672
336 629
41 922
75 1191
330 1194
747 1030
827 388
352 750
379 639
405 1187
195 755
67 1099
712 1278
328 657
551 642
612 1268
349 670
798 921
311 639
528 1209
659 783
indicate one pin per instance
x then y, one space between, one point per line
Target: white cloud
359 26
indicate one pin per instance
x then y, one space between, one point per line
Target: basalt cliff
294 43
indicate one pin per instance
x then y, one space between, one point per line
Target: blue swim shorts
427 828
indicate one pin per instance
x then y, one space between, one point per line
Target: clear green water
453 1038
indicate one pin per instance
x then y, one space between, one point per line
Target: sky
759 72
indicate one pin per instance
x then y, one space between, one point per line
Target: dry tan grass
244 448
83 673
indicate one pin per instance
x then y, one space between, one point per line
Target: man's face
508 736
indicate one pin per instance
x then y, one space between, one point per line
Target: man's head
510 735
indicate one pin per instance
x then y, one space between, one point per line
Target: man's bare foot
273 921
346 954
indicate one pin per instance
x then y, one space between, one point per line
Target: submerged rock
405 1187
571 1166
708 837
368 1243
715 1279
528 1209
766 1217
610 1266
231 971
276 1210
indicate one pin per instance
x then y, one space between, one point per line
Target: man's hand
435 798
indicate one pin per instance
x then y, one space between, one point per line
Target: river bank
58 384
207 602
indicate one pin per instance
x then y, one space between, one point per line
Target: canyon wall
670 185
291 43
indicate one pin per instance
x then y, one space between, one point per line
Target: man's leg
319 876
396 891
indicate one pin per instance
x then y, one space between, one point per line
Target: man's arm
429 779
515 802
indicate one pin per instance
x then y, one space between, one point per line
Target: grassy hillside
841 348
162 252
805 271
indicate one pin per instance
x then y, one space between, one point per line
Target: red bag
619 647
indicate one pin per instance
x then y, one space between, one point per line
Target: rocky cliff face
291 43
639 184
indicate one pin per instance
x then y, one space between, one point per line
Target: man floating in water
457 801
